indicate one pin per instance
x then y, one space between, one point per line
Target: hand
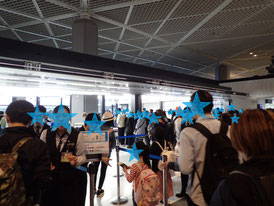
52 167
125 169
73 160
106 160
164 165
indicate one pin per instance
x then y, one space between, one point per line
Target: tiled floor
110 184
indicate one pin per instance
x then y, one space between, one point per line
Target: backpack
148 192
220 159
262 188
12 189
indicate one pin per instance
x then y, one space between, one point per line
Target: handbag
166 152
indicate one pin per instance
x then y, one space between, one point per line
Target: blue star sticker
221 110
179 112
130 114
95 125
170 112
117 112
134 153
61 118
241 111
197 106
154 118
124 111
235 119
216 113
187 116
138 115
145 114
231 107
37 116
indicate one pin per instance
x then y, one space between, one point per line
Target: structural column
103 105
85 36
221 72
136 103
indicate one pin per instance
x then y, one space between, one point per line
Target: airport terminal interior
99 56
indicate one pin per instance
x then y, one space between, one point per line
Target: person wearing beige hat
107 126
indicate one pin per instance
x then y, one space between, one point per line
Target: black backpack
261 188
220 159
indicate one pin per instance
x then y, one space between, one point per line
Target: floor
110 184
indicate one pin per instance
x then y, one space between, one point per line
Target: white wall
258 90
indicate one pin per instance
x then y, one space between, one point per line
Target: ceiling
192 36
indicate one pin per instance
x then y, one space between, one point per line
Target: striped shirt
135 172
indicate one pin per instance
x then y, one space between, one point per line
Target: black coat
33 158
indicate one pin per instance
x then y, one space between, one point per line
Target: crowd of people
221 163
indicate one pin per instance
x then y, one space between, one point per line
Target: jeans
102 174
121 133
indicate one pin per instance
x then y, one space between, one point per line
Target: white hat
108 116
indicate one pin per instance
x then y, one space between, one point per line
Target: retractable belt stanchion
91 171
120 174
119 200
165 171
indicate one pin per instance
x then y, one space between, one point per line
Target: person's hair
17 112
151 110
161 113
89 117
254 134
119 109
271 112
145 153
57 108
41 108
226 118
109 123
158 134
204 96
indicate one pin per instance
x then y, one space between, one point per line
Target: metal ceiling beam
12 30
252 70
64 5
31 23
199 25
249 49
249 17
151 61
2 8
160 26
123 5
102 18
123 30
45 22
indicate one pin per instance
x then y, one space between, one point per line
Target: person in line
130 125
252 183
178 127
67 151
140 128
37 128
33 157
121 123
137 168
193 148
107 126
159 142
